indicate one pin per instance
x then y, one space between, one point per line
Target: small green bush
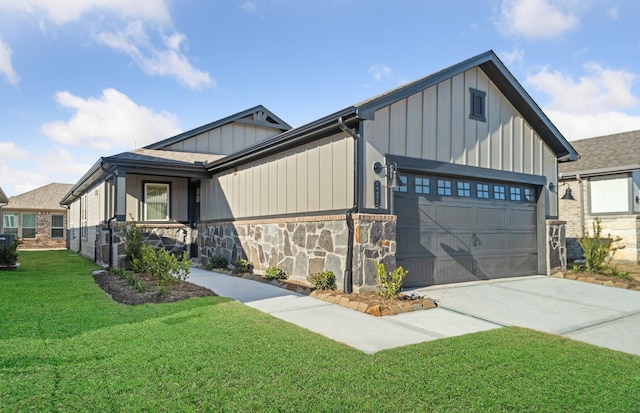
325 280
166 268
390 283
133 238
598 252
217 261
242 265
130 278
275 273
9 253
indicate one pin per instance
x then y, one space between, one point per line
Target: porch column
121 196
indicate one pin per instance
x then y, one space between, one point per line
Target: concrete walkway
605 316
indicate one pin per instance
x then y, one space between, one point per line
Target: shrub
389 283
325 280
275 273
242 265
133 246
598 251
166 268
9 253
130 278
217 261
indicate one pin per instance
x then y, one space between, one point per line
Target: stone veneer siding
305 245
556 246
175 238
626 226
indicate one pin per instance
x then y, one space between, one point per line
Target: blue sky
91 78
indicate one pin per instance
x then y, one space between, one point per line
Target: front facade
37 218
470 154
604 183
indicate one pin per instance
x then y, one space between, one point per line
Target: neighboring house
37 218
603 183
473 154
3 202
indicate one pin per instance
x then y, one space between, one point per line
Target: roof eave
600 171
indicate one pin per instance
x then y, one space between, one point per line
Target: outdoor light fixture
393 180
567 195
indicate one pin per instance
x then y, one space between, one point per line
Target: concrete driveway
604 316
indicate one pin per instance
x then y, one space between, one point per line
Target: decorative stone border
338 297
596 279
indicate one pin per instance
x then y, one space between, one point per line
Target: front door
194 214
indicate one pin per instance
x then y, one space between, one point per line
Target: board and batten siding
434 124
225 140
310 178
178 202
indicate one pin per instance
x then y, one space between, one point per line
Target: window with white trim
28 225
10 224
156 202
57 226
609 195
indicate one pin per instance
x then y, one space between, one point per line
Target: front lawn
64 345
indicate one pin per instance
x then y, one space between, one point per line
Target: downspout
348 272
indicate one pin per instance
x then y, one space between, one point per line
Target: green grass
65 346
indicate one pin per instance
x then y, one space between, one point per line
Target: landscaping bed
124 293
370 302
632 269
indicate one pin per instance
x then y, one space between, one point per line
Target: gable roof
258 116
3 197
365 110
604 155
45 198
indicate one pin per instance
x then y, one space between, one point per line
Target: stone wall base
556 246
305 245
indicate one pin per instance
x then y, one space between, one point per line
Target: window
529 195
609 195
477 105
84 226
423 186
498 192
402 188
444 187
464 189
57 226
482 191
515 194
156 205
11 224
28 226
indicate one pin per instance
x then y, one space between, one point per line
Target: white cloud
9 151
16 181
380 71
600 90
252 7
110 121
599 103
579 126
516 56
544 19
6 67
64 11
166 61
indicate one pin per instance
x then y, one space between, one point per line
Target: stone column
556 246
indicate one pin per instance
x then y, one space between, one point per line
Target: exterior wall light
393 180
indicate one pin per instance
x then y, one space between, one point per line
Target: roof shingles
45 198
621 150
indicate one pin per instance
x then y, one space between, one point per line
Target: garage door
454 229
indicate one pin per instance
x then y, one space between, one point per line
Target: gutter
348 271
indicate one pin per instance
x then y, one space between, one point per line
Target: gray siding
435 125
314 177
225 140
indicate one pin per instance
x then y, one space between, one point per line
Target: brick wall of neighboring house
626 227
43 238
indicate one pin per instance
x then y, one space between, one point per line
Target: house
603 183
3 201
37 218
448 176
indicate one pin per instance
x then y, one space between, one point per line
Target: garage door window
498 192
402 188
423 186
482 191
528 195
515 194
464 189
444 187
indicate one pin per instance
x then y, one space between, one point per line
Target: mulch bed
600 279
124 293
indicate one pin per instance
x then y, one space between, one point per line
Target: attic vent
259 116
478 107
